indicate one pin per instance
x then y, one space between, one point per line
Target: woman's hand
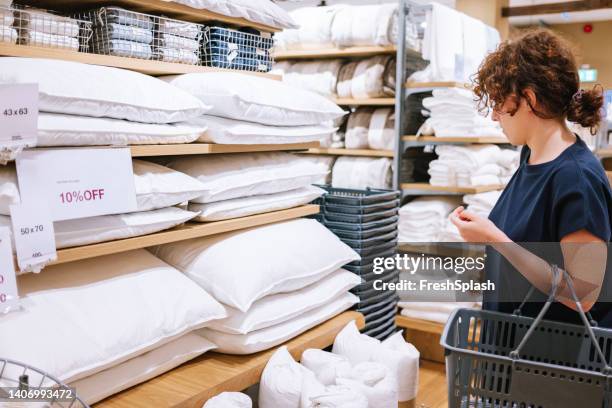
474 228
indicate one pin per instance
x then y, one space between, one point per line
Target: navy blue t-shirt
544 203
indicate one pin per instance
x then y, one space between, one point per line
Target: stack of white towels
454 44
438 312
473 165
422 219
360 372
8 34
369 128
344 26
453 113
362 172
480 204
43 29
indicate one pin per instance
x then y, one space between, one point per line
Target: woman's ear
530 99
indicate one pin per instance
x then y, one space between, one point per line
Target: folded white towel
438 307
364 25
432 206
8 34
475 155
362 172
40 39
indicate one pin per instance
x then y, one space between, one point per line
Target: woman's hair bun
585 107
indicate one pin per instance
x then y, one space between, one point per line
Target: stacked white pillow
107 323
158 190
237 185
276 281
84 104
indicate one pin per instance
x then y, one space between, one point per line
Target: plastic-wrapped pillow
355 346
229 400
403 359
281 381
325 365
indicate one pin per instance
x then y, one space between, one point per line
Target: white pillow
229 400
264 339
56 129
239 267
232 131
326 366
93 90
139 369
241 207
86 231
402 358
357 347
281 381
279 308
256 99
156 186
83 317
243 175
257 11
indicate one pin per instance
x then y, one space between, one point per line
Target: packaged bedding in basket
126 33
41 28
243 49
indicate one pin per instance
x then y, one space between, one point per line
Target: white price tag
34 235
78 183
9 298
18 115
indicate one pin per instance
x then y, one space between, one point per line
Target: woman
559 194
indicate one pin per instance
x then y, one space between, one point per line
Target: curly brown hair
543 62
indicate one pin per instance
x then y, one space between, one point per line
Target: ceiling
559 18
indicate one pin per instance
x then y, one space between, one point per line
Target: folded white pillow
281 381
55 129
229 400
257 11
264 339
256 99
241 207
86 316
156 186
94 90
91 230
230 176
232 131
139 369
282 307
269 259
326 366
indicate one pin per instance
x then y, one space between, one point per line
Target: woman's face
515 126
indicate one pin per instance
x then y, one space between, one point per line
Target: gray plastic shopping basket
497 360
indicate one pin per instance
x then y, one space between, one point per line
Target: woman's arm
584 255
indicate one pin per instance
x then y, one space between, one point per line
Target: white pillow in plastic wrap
99 91
281 381
229 400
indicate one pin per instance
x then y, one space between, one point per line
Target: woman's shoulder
581 169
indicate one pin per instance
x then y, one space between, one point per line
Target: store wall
594 48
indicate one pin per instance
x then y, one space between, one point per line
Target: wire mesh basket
42 28
23 385
500 360
131 34
245 49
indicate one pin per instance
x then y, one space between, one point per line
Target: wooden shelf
452 189
193 383
134 64
442 84
334 52
458 139
158 7
432 385
604 152
350 152
426 326
365 102
209 148
183 232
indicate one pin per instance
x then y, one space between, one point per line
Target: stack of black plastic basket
366 220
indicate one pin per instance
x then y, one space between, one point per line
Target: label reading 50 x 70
78 183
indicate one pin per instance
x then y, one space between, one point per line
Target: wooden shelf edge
450 189
211 148
160 7
350 152
427 326
187 231
148 67
334 52
193 383
457 139
365 102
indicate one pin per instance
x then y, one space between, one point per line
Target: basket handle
514 354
